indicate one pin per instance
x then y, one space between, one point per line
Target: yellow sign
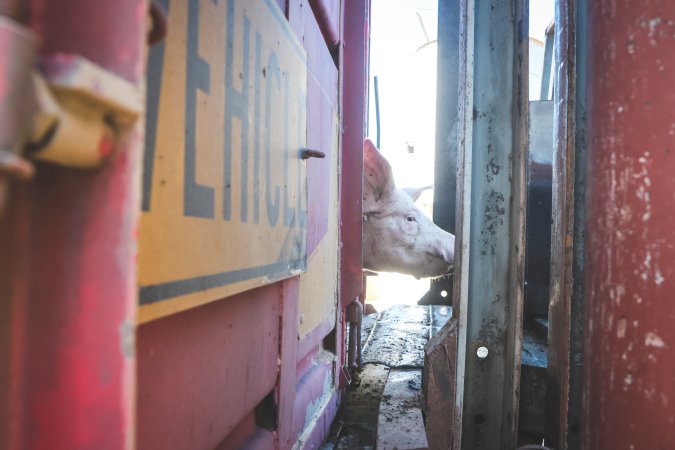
224 185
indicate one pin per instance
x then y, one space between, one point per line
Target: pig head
397 236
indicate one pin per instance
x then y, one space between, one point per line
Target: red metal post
629 393
354 68
68 255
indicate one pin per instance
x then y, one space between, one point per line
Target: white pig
397 236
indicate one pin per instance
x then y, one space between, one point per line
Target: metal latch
81 111
17 53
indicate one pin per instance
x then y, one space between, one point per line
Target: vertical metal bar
546 70
447 105
72 260
377 109
563 409
578 256
562 228
353 96
630 276
492 181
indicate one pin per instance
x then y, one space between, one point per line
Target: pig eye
410 218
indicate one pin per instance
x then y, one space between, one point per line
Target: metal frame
488 291
565 334
445 168
630 276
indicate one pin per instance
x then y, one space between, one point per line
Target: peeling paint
653 340
127 338
621 328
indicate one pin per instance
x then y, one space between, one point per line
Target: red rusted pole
68 258
629 371
353 60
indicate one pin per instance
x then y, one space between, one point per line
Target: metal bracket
82 109
18 45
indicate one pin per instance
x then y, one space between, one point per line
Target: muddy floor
393 349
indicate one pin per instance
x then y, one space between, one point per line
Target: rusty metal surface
630 276
438 383
574 411
562 226
491 206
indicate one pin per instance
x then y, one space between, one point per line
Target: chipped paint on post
630 276
491 206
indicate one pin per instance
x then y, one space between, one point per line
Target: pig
397 236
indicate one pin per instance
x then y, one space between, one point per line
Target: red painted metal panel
73 244
202 371
354 94
249 436
288 354
322 82
310 388
327 13
630 277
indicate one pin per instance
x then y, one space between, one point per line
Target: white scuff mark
653 23
664 399
619 109
627 381
658 278
650 392
621 329
653 340
647 264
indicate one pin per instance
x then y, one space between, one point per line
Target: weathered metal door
241 327
190 295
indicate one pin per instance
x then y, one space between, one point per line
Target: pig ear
378 181
415 193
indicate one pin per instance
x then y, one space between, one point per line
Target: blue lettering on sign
154 89
198 200
289 213
236 105
273 72
256 132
